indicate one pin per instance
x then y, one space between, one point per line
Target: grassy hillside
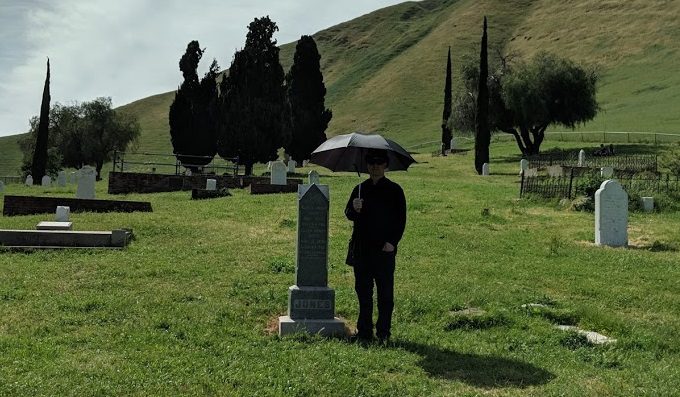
385 70
10 155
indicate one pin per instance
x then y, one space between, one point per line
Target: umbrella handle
360 191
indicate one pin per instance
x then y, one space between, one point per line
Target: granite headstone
278 173
611 214
86 181
46 181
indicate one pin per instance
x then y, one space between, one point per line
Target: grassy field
189 307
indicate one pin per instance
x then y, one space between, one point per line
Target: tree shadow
476 370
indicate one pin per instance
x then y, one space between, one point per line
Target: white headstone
582 158
211 184
531 172
611 214
29 180
485 169
607 172
647 204
61 179
2 186
453 145
278 173
291 166
314 177
63 213
86 181
523 165
555 171
46 181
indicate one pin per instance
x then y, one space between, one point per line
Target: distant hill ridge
384 71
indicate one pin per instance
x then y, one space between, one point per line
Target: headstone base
311 302
323 327
44 225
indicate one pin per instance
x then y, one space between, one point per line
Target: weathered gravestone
63 213
46 181
311 304
211 184
582 158
86 180
29 180
61 179
73 178
611 215
523 166
278 173
647 203
606 172
453 144
305 162
531 172
291 166
555 171
314 177
485 169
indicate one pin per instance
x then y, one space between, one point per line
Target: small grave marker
523 166
485 169
63 213
606 172
46 181
29 180
278 173
647 204
555 171
582 158
61 179
86 180
291 166
313 177
211 184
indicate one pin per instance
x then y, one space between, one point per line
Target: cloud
129 49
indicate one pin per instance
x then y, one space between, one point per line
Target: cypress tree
482 131
40 153
446 129
253 106
306 92
192 115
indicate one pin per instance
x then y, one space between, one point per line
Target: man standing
378 208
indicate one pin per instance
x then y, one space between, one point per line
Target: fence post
115 159
571 179
521 185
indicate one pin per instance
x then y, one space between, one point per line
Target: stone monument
485 169
63 214
606 172
611 215
86 180
46 181
311 304
582 158
278 173
313 177
523 166
211 184
61 179
291 166
647 203
29 180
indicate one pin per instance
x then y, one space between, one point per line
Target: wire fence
165 163
631 162
586 184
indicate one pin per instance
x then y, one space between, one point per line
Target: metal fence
10 179
631 162
164 163
586 184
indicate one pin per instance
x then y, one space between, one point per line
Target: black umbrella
347 152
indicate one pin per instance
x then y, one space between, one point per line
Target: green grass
10 155
188 307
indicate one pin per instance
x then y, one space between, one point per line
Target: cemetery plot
28 205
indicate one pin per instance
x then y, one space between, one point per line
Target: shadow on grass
476 370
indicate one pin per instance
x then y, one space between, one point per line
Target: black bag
351 259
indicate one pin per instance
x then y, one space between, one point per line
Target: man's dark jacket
382 218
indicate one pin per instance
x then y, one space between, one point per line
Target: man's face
376 167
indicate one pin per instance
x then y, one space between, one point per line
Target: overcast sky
129 49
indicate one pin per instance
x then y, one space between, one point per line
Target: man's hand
388 247
357 203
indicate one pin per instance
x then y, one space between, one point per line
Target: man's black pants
375 267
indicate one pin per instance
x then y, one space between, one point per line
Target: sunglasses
374 161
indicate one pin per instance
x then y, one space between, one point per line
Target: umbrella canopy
347 152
